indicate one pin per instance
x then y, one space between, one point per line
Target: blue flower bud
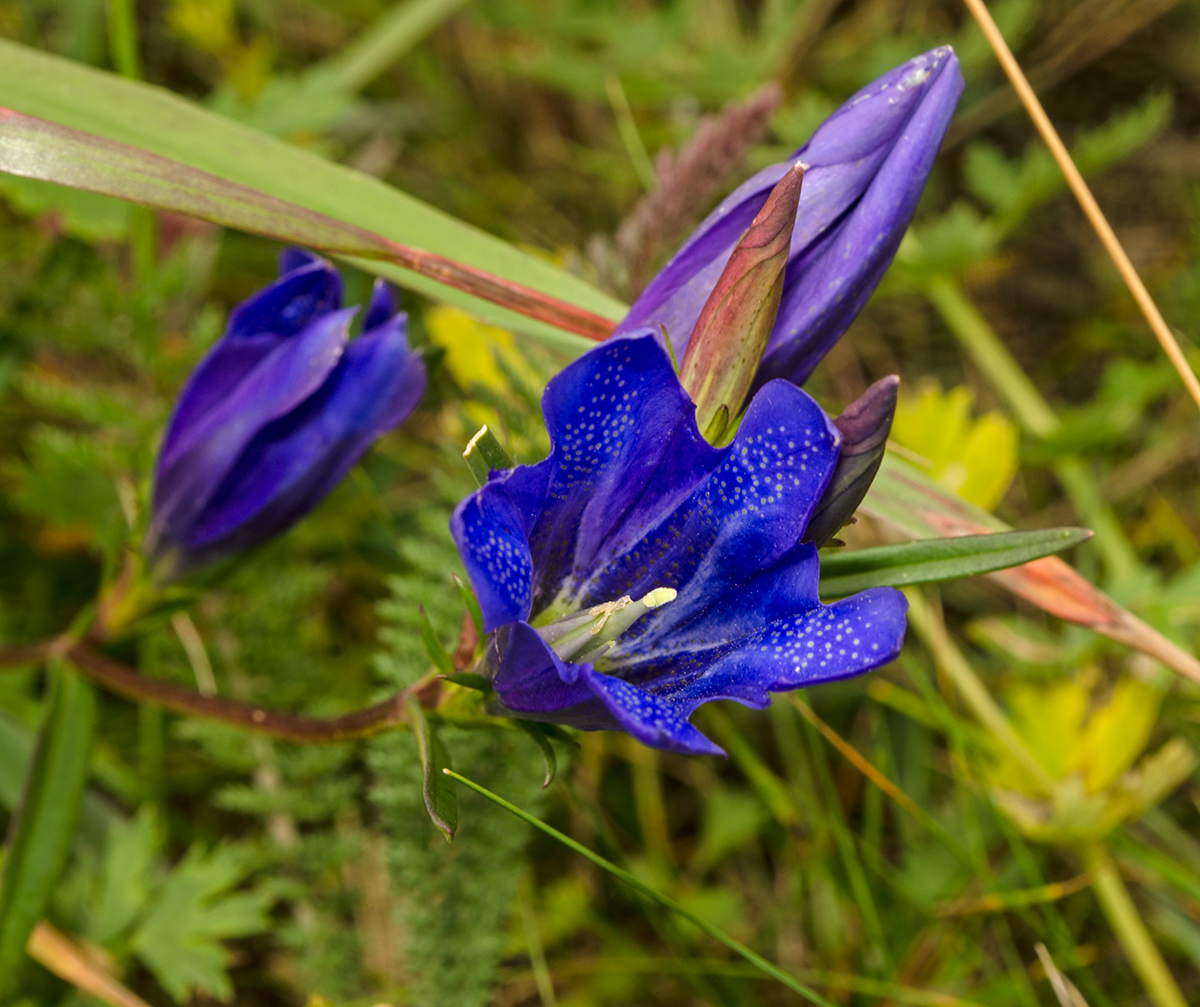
276 414
865 168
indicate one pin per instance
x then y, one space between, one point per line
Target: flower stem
278 724
1130 929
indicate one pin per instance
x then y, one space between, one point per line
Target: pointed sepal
865 426
730 336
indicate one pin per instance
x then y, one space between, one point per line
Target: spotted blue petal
632 498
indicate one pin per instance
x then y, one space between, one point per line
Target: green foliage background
209 866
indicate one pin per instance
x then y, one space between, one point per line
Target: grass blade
152 119
37 148
757 960
41 833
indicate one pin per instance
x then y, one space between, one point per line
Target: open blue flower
276 414
639 572
865 168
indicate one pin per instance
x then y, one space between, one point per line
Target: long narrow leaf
36 148
937 559
757 960
911 503
45 824
154 120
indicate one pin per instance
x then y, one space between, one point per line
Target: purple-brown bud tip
865 425
731 334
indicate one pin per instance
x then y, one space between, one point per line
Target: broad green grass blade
938 559
50 152
38 845
163 123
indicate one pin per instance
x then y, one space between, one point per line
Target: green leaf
433 646
484 453
179 939
125 878
440 800
31 147
45 824
162 123
938 559
542 740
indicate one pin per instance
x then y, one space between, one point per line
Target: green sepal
484 453
937 559
469 680
541 737
472 603
440 800
433 646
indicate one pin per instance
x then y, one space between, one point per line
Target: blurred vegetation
211 866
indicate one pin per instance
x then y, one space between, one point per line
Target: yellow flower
976 459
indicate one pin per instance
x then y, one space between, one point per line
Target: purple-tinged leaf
35 148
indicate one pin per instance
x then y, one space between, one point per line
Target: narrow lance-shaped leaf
440 800
911 503
929 560
41 832
36 148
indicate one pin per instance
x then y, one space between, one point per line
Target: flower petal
207 450
256 327
742 516
491 528
828 284
612 416
292 463
381 308
650 719
767 636
534 683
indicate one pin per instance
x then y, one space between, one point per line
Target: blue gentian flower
638 571
276 414
865 169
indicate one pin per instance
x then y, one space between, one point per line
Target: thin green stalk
972 690
648 799
1034 415
1059 932
537 955
123 39
384 42
846 845
757 960
1131 931
627 128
